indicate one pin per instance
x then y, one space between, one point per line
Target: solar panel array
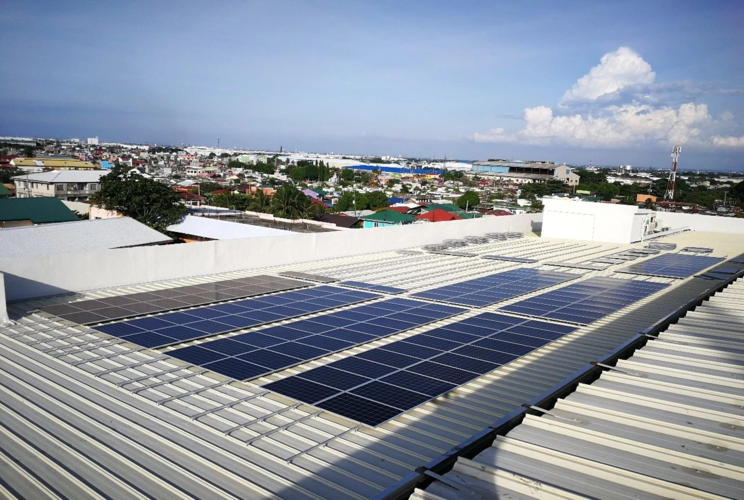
253 354
379 384
672 265
138 304
508 259
372 287
587 301
191 324
496 287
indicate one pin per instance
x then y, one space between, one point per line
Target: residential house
66 185
16 212
386 218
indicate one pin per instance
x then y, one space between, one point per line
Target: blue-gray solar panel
190 324
379 384
372 287
496 287
586 302
279 347
672 265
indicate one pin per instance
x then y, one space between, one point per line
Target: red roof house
438 215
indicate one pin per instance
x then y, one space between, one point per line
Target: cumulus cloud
615 71
728 142
615 105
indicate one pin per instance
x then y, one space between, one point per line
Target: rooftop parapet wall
39 276
697 222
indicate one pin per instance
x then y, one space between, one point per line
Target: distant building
386 218
16 212
53 163
65 185
525 171
93 141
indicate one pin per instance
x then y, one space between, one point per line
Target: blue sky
614 83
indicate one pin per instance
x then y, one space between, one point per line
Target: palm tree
289 203
260 202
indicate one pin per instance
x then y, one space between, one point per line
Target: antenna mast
669 195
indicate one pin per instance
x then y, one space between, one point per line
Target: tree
347 174
289 203
377 199
231 200
468 200
260 202
140 198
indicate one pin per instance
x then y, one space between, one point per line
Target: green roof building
386 218
16 212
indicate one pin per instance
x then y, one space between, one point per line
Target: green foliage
235 164
6 174
232 201
85 216
377 199
364 201
404 189
347 174
535 189
377 159
207 187
289 203
260 202
590 177
468 200
738 191
306 170
142 199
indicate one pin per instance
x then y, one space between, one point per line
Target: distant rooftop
214 229
64 176
78 236
37 210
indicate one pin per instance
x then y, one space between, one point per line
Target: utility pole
669 194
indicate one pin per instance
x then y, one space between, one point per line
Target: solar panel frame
488 290
307 339
587 301
672 265
143 303
424 373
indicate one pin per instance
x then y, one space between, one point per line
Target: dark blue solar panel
419 368
222 318
371 286
496 287
585 302
282 346
672 265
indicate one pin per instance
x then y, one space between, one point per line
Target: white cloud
494 135
728 142
602 117
615 71
727 116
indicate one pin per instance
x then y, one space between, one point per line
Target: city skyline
611 84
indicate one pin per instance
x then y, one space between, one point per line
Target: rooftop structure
72 185
205 228
53 163
339 365
16 212
76 237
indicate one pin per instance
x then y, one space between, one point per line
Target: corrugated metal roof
37 210
666 423
57 176
190 428
78 236
205 227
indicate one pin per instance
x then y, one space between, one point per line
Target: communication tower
669 195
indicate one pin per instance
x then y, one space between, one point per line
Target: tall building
525 171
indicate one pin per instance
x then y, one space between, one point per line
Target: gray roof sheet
78 236
214 229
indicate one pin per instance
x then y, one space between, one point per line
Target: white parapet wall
697 222
46 275
3 308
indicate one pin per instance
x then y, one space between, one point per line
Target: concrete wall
697 222
38 276
3 309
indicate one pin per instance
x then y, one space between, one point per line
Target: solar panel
587 301
697 250
672 265
508 259
738 260
595 266
279 347
206 321
379 384
308 277
373 287
137 304
453 253
496 287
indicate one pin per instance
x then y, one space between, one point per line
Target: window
60 187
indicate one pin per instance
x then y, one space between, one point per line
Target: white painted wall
697 222
3 308
38 276
592 221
